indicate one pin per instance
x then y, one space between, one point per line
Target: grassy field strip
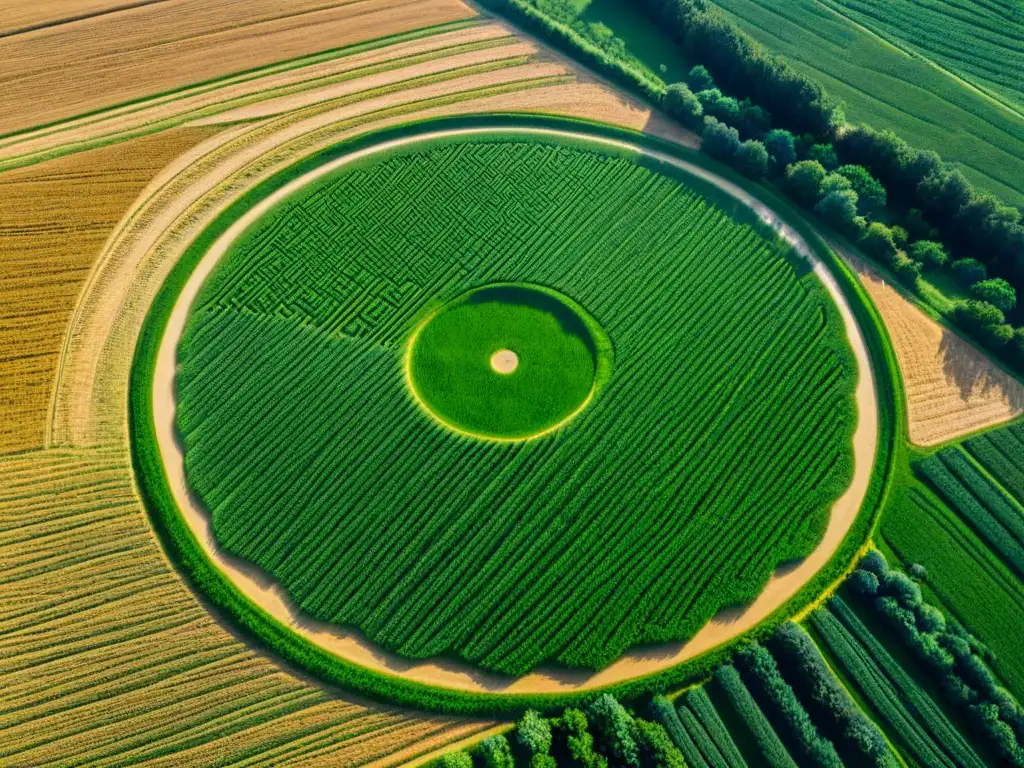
778 591
257 150
887 88
952 387
155 115
54 220
165 47
124 664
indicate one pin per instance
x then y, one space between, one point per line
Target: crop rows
707 730
996 515
979 41
106 658
908 712
715 450
770 746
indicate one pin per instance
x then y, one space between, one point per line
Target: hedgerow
907 710
957 659
700 704
781 704
831 702
772 749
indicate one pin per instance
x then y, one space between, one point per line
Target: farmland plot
512 553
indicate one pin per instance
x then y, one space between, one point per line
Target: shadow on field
973 373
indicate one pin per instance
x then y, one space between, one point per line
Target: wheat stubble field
372 372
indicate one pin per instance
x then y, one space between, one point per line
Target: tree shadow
973 373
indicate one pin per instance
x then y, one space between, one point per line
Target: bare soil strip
953 388
353 647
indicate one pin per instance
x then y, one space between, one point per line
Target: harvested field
952 387
105 656
154 48
54 219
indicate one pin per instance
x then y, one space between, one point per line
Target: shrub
543 761
781 145
720 140
839 209
874 561
870 192
655 747
803 181
996 292
929 254
752 159
682 104
495 752
824 154
833 182
699 79
533 734
454 760
864 582
906 269
718 105
753 122
917 571
902 587
571 731
878 241
613 729
978 315
969 271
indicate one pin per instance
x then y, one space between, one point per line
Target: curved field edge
217 591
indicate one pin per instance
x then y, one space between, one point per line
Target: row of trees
955 656
601 734
744 67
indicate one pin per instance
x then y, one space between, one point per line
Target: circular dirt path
351 645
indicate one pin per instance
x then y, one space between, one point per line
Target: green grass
641 36
888 88
978 41
715 448
556 374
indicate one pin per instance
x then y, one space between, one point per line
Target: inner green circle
560 356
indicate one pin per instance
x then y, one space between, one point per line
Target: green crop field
978 40
888 88
715 446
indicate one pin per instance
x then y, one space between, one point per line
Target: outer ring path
353 647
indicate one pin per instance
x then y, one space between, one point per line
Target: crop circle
507 362
713 452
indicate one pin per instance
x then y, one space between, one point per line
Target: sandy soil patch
124 56
952 387
504 361
352 646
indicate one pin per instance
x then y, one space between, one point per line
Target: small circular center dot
504 361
